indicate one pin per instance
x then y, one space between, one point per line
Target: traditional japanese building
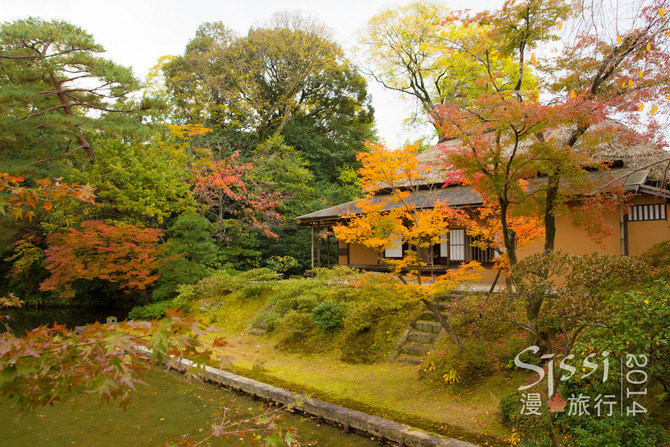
634 231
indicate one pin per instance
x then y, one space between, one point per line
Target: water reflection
29 318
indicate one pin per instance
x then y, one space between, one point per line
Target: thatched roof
621 145
453 196
636 173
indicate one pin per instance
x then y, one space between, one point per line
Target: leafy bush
329 316
638 324
296 324
617 431
449 365
224 282
270 318
658 256
152 311
601 274
532 430
362 316
282 264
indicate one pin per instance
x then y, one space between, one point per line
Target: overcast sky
136 33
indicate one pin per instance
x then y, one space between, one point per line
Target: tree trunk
67 108
444 323
509 237
550 213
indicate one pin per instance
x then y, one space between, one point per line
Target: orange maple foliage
23 202
384 219
484 226
125 255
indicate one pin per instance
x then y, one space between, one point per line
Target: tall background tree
56 91
284 98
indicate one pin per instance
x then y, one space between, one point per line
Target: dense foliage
279 144
187 199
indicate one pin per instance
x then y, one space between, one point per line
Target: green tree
254 83
410 50
135 182
56 91
190 241
334 123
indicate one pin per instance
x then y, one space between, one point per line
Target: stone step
427 326
409 359
423 337
257 331
451 296
418 349
428 316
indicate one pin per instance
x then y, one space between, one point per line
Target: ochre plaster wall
342 259
359 255
641 236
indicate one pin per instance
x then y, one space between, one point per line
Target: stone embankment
350 420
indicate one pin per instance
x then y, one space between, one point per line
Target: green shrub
329 316
152 311
451 366
282 264
637 324
617 431
362 316
532 430
296 324
658 256
270 317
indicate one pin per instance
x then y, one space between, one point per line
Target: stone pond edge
383 429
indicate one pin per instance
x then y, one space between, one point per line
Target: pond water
167 408
29 318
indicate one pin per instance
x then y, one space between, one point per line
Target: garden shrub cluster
334 311
225 298
638 315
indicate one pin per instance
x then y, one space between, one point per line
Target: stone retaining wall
383 429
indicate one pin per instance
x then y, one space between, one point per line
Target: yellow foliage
451 377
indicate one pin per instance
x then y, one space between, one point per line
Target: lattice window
655 211
481 255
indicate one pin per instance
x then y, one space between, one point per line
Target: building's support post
328 243
312 246
318 247
623 234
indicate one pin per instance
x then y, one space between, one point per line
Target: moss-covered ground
332 340
384 389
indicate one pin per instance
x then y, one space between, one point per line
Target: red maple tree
231 196
125 255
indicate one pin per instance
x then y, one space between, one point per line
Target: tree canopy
56 91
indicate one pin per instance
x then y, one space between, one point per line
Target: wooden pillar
328 243
312 246
318 248
625 238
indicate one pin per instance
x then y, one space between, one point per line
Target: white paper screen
457 246
395 250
